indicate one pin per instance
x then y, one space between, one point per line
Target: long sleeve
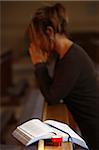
65 76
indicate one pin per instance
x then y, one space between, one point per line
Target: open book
34 130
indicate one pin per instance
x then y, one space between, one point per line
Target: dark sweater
74 81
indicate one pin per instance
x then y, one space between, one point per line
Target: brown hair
53 16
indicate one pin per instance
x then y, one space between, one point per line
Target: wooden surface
57 112
65 146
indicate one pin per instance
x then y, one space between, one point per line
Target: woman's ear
50 32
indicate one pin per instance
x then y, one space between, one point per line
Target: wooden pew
57 112
35 107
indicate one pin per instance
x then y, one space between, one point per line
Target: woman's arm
62 83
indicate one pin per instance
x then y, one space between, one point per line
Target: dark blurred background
17 73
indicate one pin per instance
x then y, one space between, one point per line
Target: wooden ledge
57 112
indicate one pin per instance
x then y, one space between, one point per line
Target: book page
64 135
35 128
65 128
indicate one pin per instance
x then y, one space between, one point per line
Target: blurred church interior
17 79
